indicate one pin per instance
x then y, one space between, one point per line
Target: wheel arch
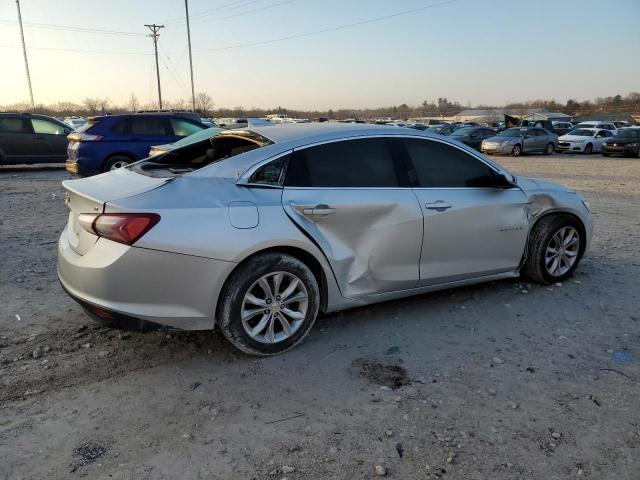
306 257
126 154
552 213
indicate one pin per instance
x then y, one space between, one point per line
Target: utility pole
155 29
193 95
24 52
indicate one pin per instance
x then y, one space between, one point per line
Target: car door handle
318 210
438 205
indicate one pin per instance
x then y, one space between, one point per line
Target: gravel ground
502 380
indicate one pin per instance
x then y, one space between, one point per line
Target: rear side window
438 165
12 125
272 173
46 127
184 128
349 164
146 126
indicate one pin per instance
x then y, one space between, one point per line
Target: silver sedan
518 140
258 230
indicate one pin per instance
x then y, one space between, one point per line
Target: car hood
573 138
621 141
498 139
531 184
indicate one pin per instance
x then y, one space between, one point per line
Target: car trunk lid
89 196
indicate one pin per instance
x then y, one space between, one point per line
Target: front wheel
269 304
517 150
588 149
555 248
549 149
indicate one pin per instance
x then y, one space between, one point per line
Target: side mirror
504 180
67 131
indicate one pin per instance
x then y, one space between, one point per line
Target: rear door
347 197
471 229
49 141
16 140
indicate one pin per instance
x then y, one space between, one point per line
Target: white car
584 140
75 122
598 124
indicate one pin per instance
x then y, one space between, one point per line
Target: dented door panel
371 236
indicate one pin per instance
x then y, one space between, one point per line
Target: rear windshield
200 154
91 122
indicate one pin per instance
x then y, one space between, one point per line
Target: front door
471 228
346 196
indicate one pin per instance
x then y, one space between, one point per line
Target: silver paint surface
371 248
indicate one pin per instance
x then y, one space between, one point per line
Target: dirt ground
506 380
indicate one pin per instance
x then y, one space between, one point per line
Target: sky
472 51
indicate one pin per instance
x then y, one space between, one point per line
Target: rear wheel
555 248
269 304
517 150
588 149
115 162
549 149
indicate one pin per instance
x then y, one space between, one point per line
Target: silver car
259 230
518 140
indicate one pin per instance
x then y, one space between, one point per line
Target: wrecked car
258 230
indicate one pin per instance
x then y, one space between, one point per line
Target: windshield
513 132
461 132
582 132
628 133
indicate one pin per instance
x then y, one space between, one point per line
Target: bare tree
91 104
104 105
204 103
133 104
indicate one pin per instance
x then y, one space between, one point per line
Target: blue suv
113 141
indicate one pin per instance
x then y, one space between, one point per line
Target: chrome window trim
244 178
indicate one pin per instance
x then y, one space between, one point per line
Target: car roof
305 133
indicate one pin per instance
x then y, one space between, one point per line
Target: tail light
83 137
125 228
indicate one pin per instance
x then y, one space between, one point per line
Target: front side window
12 125
348 163
46 127
183 128
438 165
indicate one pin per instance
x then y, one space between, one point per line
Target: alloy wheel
562 251
274 307
516 151
119 164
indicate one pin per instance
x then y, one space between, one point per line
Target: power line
70 28
261 42
222 8
327 30
267 7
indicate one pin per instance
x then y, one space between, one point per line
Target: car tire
115 162
588 149
516 151
554 233
263 331
549 149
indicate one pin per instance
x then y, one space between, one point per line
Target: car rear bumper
131 285
79 169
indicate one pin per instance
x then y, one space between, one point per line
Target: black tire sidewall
229 318
552 225
590 147
549 151
519 151
111 160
